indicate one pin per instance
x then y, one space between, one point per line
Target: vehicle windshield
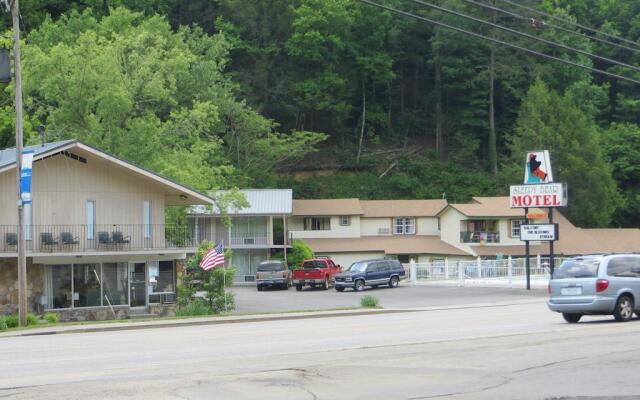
577 268
358 267
313 264
270 267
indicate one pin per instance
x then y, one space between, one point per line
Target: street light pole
22 259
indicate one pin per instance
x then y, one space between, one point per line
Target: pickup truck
315 272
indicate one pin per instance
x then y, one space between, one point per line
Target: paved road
496 352
249 300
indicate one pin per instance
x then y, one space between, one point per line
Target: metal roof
261 202
8 156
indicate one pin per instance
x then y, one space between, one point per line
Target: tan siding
374 226
8 197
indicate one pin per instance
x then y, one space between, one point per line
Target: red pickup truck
315 272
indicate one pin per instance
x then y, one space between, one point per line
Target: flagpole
224 281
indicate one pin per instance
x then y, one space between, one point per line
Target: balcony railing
88 238
239 240
480 237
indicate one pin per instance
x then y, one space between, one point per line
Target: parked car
273 273
370 273
596 285
316 272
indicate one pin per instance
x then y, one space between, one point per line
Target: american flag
213 258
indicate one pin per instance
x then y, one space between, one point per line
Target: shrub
51 318
369 301
32 319
300 251
194 308
3 324
11 321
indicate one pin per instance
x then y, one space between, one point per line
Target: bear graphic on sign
538 167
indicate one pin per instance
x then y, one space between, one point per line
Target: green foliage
194 308
213 283
300 251
32 319
12 321
368 301
577 155
51 318
3 323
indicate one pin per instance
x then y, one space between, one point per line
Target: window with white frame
515 227
146 218
345 220
404 226
317 224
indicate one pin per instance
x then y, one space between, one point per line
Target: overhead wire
524 34
498 41
544 24
584 27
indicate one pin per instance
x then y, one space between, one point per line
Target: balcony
244 240
480 237
98 238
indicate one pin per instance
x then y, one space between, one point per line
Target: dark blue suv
370 273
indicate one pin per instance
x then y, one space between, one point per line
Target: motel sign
544 195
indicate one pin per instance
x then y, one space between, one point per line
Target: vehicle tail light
284 274
549 288
257 275
601 285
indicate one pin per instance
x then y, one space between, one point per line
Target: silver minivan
606 284
273 273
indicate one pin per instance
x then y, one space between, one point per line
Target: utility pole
22 258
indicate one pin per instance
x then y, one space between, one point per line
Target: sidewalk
212 320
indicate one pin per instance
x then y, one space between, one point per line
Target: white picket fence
508 272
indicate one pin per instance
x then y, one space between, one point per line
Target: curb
248 319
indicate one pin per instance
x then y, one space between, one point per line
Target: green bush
369 301
194 308
300 251
51 318
11 321
32 319
3 324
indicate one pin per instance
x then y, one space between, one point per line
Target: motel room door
138 284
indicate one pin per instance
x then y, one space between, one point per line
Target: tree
213 282
548 120
300 251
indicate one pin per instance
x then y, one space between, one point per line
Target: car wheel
393 282
285 286
325 285
624 309
359 285
571 318
298 287
339 288
259 288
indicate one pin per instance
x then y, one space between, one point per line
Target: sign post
538 190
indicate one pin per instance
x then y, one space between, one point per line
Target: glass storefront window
86 285
58 286
166 277
114 284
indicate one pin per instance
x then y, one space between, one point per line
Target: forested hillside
337 98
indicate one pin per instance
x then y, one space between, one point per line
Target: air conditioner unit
383 230
249 241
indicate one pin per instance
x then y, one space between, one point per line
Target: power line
519 33
586 28
544 24
498 41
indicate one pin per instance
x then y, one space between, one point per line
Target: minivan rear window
577 269
270 267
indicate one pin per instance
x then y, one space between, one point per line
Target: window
146 216
578 268
515 227
58 286
345 220
91 219
115 284
317 224
404 226
86 285
624 267
166 277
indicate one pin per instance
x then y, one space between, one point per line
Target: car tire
571 318
393 282
325 285
358 286
285 286
624 308
259 288
298 287
339 288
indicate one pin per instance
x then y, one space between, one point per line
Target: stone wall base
92 313
163 310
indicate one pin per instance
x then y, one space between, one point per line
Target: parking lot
249 300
